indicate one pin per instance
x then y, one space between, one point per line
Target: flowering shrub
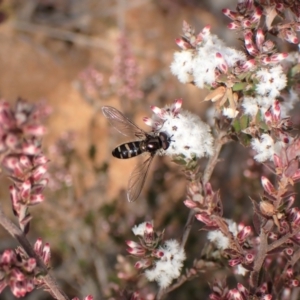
252 93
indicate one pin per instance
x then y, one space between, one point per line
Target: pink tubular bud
276 111
246 23
205 219
267 185
149 228
25 189
46 254
242 289
233 26
132 244
290 36
17 274
36 199
222 65
229 13
248 65
158 253
266 60
30 265
181 43
277 161
177 105
234 262
190 204
272 236
38 246
30 149
278 57
35 130
260 38
157 110
244 233
39 172
40 160
89 297
256 16
138 251
234 294
25 161
251 49
8 257
11 141
290 272
268 117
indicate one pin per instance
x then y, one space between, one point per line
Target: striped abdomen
128 150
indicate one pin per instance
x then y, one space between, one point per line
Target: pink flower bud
30 264
248 65
25 161
36 199
46 254
137 251
290 36
190 204
39 172
268 117
244 233
222 65
276 111
17 274
249 258
38 246
35 130
149 228
260 38
8 257
11 141
278 57
295 282
183 44
233 26
289 251
234 262
267 185
205 219
30 149
229 13
234 294
158 253
177 106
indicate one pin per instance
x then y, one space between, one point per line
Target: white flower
200 64
189 136
140 229
182 66
250 106
169 266
219 239
264 148
271 81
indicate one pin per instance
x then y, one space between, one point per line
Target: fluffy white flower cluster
189 136
271 82
265 148
200 64
169 266
219 239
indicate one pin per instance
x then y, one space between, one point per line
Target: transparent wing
137 179
122 123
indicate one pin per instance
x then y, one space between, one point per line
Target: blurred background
78 55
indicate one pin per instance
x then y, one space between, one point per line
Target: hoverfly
147 142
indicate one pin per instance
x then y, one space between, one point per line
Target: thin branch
213 160
17 233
